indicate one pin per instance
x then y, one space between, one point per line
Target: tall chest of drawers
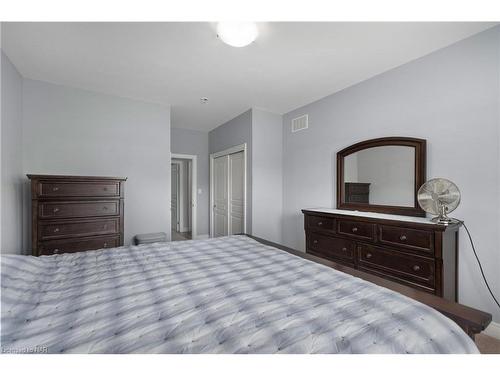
412 251
76 213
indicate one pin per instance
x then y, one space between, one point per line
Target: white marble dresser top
374 215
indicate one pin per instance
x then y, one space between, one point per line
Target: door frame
231 150
178 190
194 190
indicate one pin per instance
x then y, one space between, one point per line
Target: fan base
445 220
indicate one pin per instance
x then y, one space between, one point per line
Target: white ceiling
289 65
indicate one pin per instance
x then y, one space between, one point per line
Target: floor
487 344
180 236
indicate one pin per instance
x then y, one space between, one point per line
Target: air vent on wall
300 123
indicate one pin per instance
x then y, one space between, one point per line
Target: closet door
236 193
221 196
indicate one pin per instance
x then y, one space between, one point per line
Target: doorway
183 197
228 192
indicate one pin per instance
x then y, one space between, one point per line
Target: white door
189 196
174 202
229 194
236 192
220 208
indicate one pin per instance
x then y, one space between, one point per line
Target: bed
225 295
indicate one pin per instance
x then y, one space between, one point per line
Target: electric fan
439 196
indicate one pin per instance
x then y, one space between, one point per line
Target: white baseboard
201 237
493 330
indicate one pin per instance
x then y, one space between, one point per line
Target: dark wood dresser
409 250
357 192
75 213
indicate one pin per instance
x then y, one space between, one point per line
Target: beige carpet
487 344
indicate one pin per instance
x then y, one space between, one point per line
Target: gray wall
262 132
233 133
11 146
193 142
450 97
73 131
267 175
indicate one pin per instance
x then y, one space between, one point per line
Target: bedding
223 295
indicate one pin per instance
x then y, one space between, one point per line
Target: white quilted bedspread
225 295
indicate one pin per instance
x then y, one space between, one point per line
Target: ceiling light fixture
237 34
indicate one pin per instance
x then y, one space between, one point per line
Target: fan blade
429 205
426 189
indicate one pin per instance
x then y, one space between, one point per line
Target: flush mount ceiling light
237 34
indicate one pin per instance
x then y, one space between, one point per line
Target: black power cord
479 263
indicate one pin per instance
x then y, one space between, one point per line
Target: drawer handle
55 251
402 238
368 255
344 249
56 230
104 208
320 223
315 241
105 244
355 229
416 268
56 210
55 188
105 189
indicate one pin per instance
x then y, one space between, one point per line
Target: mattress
223 295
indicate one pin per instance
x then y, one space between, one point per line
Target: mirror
381 175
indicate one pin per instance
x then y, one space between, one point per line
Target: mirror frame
418 144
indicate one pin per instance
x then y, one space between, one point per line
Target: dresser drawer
75 245
48 210
81 228
414 269
320 223
357 198
331 247
78 189
414 239
357 188
356 229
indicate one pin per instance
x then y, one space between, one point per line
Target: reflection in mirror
382 175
